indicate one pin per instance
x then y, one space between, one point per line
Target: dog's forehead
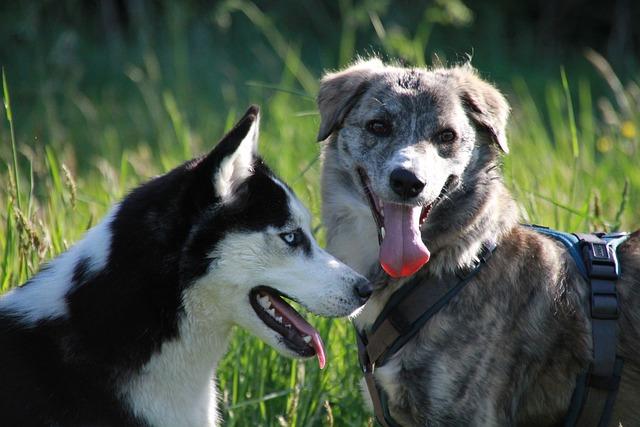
262 202
399 91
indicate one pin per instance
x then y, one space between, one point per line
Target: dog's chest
176 387
165 396
439 376
455 368
492 352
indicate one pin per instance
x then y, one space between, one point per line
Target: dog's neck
176 387
458 227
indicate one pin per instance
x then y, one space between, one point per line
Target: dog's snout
363 289
405 183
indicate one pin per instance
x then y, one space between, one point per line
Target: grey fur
507 350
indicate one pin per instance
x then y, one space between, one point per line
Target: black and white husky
126 328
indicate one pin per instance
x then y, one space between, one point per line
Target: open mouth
402 251
297 334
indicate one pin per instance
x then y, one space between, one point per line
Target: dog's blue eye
379 127
292 238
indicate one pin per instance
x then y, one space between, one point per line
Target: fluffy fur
506 351
127 327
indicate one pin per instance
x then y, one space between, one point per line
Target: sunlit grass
574 165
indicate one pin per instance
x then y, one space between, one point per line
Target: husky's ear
340 91
486 106
236 153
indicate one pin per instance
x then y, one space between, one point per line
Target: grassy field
79 130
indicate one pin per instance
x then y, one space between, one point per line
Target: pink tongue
302 326
402 251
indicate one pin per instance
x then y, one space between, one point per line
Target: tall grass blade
623 204
605 70
8 246
572 120
564 207
262 399
7 107
278 42
179 127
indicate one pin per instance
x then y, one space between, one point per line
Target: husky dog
126 327
412 156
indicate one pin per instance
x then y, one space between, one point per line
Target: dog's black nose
405 183
364 290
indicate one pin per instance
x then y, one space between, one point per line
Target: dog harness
596 389
411 306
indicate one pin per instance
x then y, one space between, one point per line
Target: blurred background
102 95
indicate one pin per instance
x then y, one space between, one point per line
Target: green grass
70 147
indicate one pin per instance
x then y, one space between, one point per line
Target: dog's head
252 247
407 136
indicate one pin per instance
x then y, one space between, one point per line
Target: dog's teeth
306 339
264 302
279 319
272 312
287 325
382 232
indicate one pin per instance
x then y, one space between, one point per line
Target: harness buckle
602 269
600 261
363 357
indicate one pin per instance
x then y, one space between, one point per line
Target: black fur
66 371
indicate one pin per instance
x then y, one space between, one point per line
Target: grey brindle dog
425 147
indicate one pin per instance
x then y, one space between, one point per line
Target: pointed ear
486 106
236 153
340 91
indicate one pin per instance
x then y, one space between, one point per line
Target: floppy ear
340 91
236 153
486 106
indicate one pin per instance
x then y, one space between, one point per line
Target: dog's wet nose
364 290
405 183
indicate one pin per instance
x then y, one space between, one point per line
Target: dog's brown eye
447 135
379 127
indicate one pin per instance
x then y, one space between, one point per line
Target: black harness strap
603 378
399 321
